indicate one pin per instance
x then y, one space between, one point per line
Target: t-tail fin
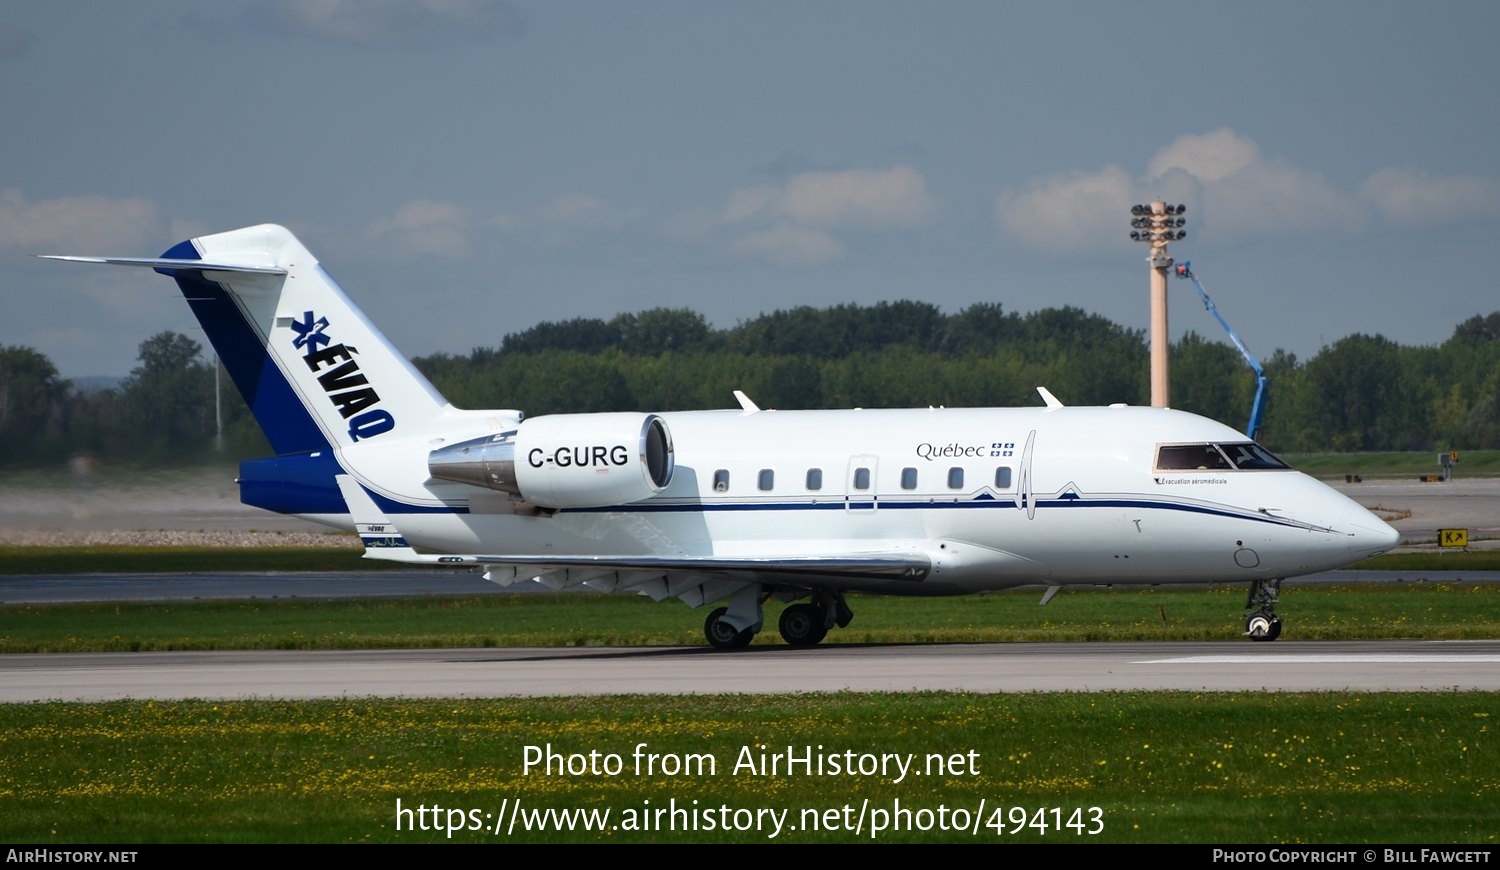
314 370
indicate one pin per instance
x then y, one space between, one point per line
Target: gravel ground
195 506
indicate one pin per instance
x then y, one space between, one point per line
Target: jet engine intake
566 460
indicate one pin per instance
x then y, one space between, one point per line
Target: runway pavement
1370 666
1417 510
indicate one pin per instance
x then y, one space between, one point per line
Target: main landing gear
1263 623
722 635
807 624
804 624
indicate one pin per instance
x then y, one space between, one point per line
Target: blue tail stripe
276 406
180 251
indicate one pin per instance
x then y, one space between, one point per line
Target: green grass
1219 768
1460 610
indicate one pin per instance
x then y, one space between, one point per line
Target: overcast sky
467 169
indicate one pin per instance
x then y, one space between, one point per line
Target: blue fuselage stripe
394 509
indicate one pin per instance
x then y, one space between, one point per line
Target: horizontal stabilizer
172 264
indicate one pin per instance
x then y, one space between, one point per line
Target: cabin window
955 478
1190 457
766 480
1002 477
861 478
815 479
908 478
721 480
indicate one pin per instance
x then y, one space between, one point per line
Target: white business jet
742 506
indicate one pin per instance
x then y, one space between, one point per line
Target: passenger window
767 479
908 478
1002 477
861 478
815 479
955 478
721 480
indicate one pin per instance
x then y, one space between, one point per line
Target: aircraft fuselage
992 497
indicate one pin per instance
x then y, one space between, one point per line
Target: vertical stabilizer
314 370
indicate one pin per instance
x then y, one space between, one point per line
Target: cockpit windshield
1233 456
1249 456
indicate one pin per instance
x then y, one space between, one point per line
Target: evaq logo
339 375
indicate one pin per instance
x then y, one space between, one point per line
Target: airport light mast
1157 224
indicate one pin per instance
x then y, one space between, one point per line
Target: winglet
1050 399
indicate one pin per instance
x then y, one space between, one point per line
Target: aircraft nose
1369 535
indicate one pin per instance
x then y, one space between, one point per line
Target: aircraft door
859 483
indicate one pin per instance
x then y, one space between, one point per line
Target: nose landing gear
1263 624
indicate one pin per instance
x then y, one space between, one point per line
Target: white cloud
788 244
1209 157
390 22
79 224
801 214
750 202
1069 211
1275 198
1407 197
1230 189
895 197
425 227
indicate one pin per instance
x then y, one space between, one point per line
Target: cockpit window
1188 457
1242 456
1249 456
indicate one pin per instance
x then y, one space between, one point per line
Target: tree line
1362 392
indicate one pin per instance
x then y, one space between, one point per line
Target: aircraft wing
694 579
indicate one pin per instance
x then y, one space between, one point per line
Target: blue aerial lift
1185 270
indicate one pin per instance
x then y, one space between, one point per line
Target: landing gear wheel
803 625
1262 623
722 635
1263 626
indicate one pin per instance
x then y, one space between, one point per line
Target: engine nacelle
566 460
